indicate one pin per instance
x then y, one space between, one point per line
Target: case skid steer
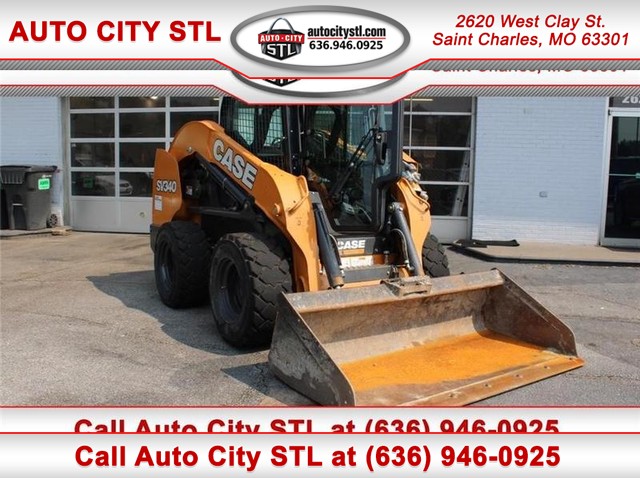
306 228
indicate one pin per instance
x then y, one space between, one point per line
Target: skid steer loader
306 228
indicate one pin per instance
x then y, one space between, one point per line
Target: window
438 135
112 141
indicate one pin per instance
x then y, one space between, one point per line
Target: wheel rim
231 298
166 264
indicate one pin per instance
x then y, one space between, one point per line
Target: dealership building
550 169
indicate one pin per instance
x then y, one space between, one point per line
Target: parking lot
82 324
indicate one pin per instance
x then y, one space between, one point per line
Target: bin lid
14 174
29 168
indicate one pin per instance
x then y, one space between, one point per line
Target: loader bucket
447 341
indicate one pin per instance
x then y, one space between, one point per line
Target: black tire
434 258
181 264
248 273
52 221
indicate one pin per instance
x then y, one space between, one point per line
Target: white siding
527 148
31 134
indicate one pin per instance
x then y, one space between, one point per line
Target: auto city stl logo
332 39
281 43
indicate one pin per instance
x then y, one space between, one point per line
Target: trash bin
26 196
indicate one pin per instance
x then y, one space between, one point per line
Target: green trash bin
26 196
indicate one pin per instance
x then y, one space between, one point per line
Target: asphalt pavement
81 324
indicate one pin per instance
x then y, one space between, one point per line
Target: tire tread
192 254
434 258
270 275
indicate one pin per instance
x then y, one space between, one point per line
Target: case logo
239 167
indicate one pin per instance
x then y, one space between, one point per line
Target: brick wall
539 169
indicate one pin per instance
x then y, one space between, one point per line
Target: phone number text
345 45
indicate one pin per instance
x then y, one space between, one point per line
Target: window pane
135 184
93 184
92 155
406 131
79 102
623 207
442 165
193 101
448 200
623 197
88 125
440 130
138 155
142 125
141 101
274 135
625 143
180 118
448 105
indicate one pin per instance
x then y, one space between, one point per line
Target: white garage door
439 134
111 150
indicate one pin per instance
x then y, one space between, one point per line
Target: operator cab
344 155
347 153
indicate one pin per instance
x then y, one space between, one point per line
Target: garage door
439 135
111 150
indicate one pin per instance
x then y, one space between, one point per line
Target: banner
197 441
272 48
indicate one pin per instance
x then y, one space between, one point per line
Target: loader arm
415 208
281 197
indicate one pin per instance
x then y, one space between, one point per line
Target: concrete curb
554 253
54 231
